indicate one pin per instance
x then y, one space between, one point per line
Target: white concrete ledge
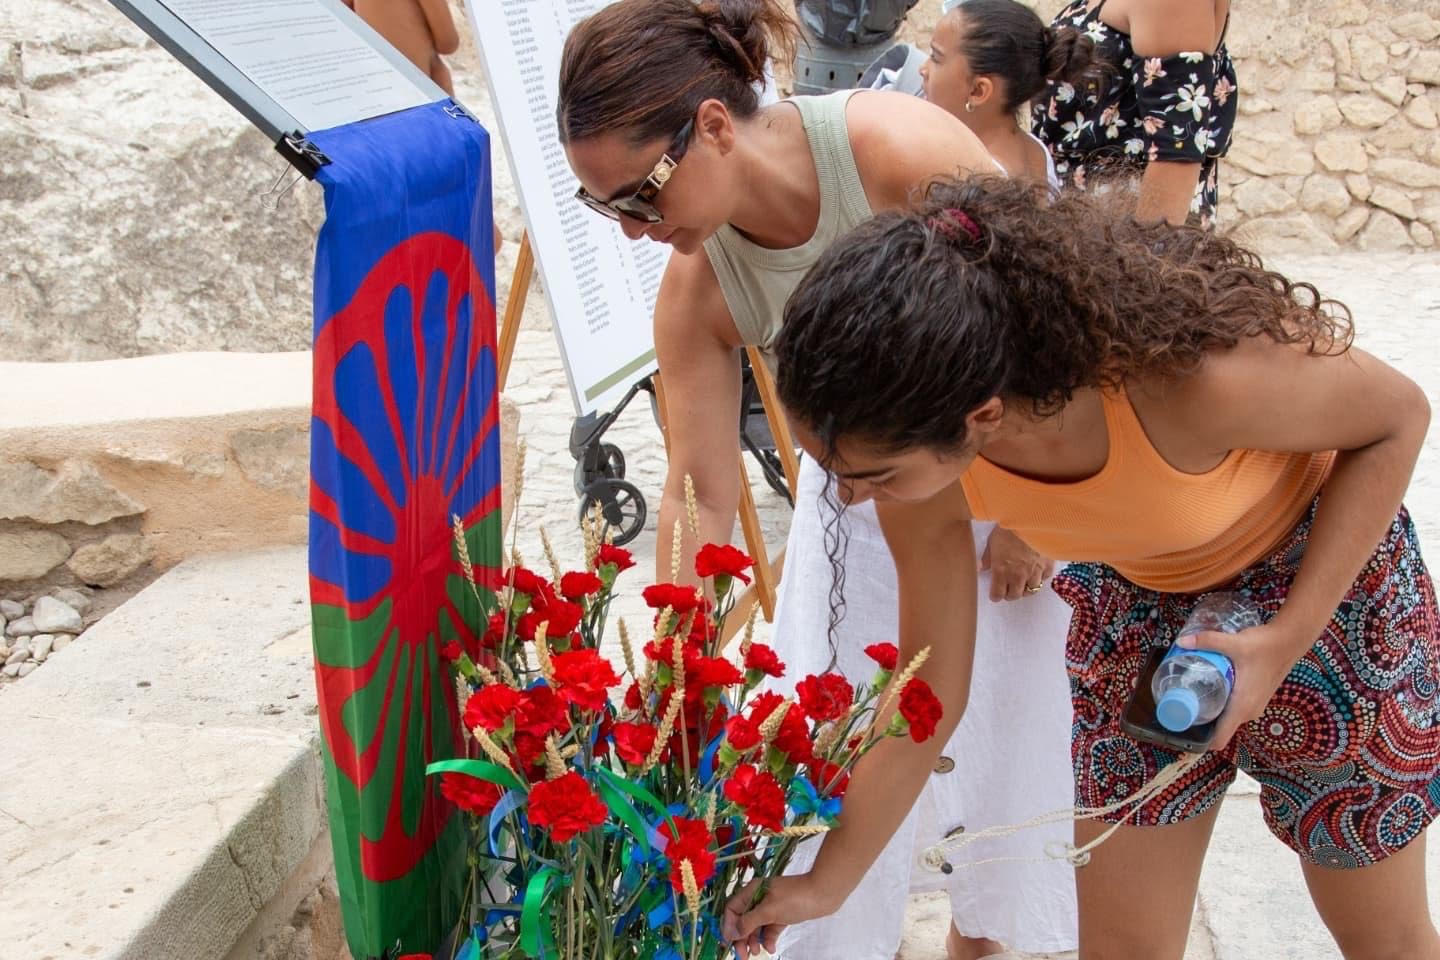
161 780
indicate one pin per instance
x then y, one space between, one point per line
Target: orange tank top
1159 527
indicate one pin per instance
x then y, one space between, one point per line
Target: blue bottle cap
1178 709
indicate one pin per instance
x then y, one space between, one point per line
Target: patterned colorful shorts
1347 752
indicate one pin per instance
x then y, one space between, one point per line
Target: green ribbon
639 793
626 813
533 937
482 769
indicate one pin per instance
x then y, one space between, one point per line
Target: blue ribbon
707 760
508 803
805 800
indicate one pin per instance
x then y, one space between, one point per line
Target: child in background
988 58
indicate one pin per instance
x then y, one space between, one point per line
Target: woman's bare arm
698 352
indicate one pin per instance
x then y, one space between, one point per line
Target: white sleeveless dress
1010 754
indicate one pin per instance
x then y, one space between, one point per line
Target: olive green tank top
756 281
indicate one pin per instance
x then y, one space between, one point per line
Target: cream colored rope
935 857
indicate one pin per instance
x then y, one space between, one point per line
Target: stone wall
143 462
1338 143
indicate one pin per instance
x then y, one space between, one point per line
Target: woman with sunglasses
660 120
1183 421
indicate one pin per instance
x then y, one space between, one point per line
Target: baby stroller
600 465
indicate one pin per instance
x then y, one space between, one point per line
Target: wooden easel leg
736 621
514 308
779 426
764 585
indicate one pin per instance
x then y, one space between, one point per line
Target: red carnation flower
680 599
470 793
826 697
761 657
529 751
610 554
763 705
688 840
451 651
919 705
634 741
565 806
724 561
573 586
759 795
583 678
495 631
632 697
885 654
536 587
829 779
742 734
793 738
702 672
490 706
541 713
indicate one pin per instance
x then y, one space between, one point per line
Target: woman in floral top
1167 107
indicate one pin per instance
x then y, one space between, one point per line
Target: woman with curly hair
1180 420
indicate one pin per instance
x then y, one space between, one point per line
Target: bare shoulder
1160 28
690 306
901 142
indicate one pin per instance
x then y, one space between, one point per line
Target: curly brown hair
996 287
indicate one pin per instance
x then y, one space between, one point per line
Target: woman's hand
1262 657
1015 569
755 930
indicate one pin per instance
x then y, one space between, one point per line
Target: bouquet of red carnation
612 815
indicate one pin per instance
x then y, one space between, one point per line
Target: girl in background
988 58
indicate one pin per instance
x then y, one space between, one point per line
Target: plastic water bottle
1191 687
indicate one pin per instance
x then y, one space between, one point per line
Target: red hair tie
947 220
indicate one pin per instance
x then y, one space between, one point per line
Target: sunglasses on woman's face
640 205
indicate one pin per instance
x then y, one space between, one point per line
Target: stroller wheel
622 506
605 463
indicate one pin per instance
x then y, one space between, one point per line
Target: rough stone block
112 560
53 616
1359 186
1291 233
1416 26
1406 173
1260 197
1349 223
1342 152
276 459
1422 235
76 492
1387 197
1322 194
1267 154
1366 112
1369 56
1421 112
1316 115
30 554
1391 89
1425 68
1384 232
1340 47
